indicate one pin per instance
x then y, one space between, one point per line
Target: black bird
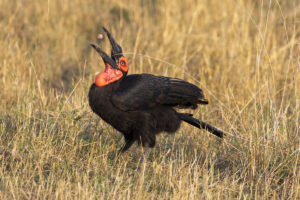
142 105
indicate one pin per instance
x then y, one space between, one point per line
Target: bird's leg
146 153
143 160
127 145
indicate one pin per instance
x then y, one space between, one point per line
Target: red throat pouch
108 76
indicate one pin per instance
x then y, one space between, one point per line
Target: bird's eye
122 62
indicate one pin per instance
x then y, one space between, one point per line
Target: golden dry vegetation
243 54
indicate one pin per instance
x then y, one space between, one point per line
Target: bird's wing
145 91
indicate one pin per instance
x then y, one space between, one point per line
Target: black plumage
142 105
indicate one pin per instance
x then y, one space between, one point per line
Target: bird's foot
143 160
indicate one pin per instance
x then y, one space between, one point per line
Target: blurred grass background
243 54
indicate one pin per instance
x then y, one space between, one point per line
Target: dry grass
244 54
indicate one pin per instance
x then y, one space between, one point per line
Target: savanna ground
243 54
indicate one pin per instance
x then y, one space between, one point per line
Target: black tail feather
200 124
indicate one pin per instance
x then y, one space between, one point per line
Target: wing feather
145 91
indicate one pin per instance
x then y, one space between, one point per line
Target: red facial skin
123 64
110 74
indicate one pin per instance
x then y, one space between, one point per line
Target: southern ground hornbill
142 105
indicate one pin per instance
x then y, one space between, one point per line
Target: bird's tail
200 124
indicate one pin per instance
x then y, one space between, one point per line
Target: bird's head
116 65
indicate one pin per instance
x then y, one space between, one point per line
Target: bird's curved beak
116 51
105 57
